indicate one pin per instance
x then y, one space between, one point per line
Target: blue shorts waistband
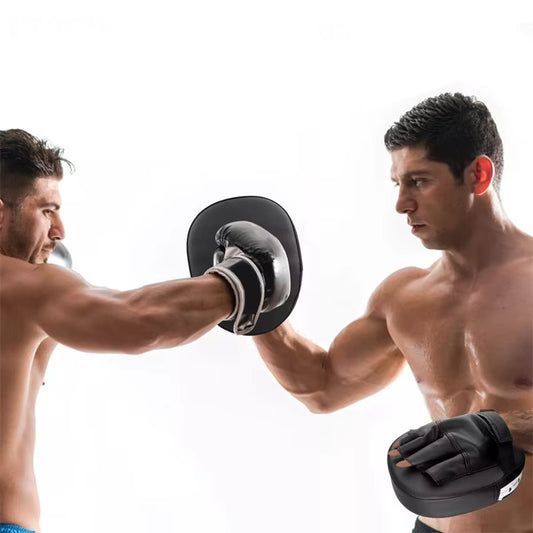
12 528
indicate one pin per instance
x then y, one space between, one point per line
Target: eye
417 181
47 212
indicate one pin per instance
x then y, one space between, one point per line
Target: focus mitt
252 243
455 465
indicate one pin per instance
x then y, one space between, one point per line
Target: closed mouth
416 227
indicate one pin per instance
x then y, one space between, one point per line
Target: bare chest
468 344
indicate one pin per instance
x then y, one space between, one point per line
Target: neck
489 238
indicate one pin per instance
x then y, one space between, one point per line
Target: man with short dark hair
42 304
463 325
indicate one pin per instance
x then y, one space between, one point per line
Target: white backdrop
166 107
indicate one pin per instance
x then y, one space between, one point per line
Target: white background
166 107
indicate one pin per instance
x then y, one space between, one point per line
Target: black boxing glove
254 263
60 256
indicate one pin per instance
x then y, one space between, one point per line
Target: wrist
248 286
222 293
520 424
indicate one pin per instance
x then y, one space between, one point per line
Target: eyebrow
54 205
409 175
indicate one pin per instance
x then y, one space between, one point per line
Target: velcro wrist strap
501 434
248 286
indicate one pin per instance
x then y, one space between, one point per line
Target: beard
18 245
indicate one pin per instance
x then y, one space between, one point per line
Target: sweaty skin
42 304
463 325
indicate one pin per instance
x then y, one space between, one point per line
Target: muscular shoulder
23 285
392 289
14 275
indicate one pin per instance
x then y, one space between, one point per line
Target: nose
57 230
405 203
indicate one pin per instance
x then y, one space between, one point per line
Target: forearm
162 315
298 364
520 424
361 361
178 312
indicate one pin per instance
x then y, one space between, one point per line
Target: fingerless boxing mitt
457 465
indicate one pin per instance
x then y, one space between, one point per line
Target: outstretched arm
361 360
250 276
88 318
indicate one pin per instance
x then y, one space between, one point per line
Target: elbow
136 343
317 396
146 339
146 333
317 402
326 401
135 349
137 338
317 409
320 408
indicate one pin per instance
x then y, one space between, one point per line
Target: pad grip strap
502 436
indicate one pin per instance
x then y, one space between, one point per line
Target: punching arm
361 361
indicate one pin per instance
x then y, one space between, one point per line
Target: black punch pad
266 213
422 496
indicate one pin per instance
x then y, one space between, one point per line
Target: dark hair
24 158
455 129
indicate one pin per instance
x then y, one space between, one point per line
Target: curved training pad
201 246
452 485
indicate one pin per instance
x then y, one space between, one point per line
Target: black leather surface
201 246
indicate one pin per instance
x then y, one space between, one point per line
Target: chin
432 245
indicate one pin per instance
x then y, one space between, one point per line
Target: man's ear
483 172
2 211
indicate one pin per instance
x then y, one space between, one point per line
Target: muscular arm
155 316
361 360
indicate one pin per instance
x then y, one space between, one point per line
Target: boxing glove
60 256
255 264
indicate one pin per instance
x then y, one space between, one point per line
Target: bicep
87 318
362 360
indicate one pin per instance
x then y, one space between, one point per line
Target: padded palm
451 448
